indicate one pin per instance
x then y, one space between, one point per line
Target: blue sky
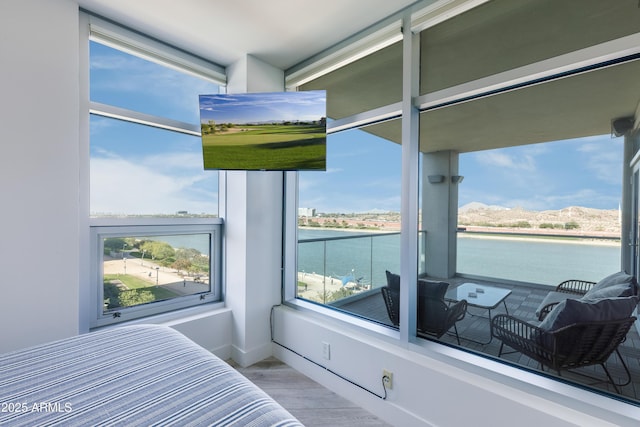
363 175
579 172
262 107
139 170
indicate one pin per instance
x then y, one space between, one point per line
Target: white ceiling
279 32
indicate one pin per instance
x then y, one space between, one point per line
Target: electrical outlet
326 350
387 379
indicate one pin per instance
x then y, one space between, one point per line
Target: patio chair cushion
555 297
426 288
393 281
431 289
621 290
573 311
618 284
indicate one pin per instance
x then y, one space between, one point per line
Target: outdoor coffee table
480 296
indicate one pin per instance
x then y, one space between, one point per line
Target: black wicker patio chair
572 289
618 284
572 346
435 316
392 302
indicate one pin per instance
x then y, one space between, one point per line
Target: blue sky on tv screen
363 171
263 107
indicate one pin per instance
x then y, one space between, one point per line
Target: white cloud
596 142
120 186
129 76
497 159
99 125
538 202
604 160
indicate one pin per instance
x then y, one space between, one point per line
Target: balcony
359 295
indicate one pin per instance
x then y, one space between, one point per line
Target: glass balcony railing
336 267
333 268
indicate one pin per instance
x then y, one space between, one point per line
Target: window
139 170
543 177
528 215
536 110
155 235
148 269
153 269
144 168
349 222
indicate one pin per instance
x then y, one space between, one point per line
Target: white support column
252 210
440 212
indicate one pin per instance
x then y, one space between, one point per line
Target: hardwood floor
311 403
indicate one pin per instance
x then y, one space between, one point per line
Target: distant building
308 212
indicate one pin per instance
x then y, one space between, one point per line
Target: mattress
143 375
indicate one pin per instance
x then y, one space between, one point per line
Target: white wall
39 238
435 385
43 222
252 210
211 330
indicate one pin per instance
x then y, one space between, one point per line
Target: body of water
360 258
542 261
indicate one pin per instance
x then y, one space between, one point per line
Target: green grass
277 147
133 282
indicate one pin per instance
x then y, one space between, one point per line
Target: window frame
97 29
134 43
366 43
586 59
161 228
138 44
590 58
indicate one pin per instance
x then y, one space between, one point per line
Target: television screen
264 131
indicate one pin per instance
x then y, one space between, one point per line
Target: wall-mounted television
264 131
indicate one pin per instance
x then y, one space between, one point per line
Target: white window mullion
127 115
409 185
377 115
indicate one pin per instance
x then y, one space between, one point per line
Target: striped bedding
129 376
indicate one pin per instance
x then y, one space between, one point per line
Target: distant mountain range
480 217
578 220
477 205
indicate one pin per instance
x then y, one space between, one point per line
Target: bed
143 375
